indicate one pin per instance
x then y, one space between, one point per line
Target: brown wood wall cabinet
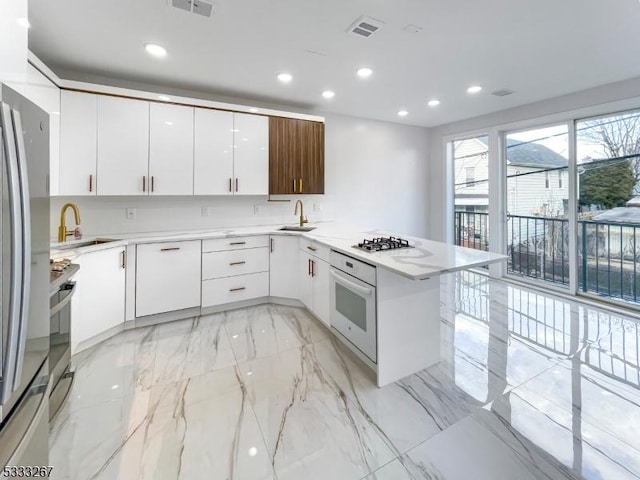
296 156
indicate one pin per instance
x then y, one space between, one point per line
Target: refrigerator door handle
13 327
26 245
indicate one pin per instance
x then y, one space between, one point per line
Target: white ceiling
540 49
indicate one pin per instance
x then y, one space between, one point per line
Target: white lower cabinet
98 304
167 276
314 285
219 291
283 267
234 269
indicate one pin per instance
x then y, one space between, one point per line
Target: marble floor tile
557 442
259 332
307 329
87 443
391 471
202 428
585 405
468 450
313 431
406 412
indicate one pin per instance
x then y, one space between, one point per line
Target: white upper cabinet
251 154
78 130
170 149
123 146
213 156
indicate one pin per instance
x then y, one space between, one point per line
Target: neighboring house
537 184
634 202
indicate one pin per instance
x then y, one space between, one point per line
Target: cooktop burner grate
383 243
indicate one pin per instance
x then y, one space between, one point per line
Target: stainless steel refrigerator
24 332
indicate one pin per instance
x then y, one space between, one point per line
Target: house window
559 178
471 172
546 179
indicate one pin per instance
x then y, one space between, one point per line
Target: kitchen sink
88 243
296 228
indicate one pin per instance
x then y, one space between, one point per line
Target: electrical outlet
257 209
130 213
206 211
317 207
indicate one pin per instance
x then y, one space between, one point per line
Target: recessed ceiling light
23 22
403 113
474 89
285 77
328 94
168 123
433 103
253 110
164 98
245 139
364 72
155 50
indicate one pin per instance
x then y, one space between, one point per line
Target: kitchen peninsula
387 301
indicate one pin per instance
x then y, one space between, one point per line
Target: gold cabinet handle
272 245
294 185
91 183
301 189
144 183
236 184
237 243
312 249
237 263
152 183
230 189
123 259
237 289
172 249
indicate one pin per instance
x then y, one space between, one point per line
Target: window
470 172
546 179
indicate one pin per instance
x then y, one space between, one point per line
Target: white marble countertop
426 260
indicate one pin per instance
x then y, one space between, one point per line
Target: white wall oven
353 302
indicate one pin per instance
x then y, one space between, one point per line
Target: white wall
13 43
596 101
376 174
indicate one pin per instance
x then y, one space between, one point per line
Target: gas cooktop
383 243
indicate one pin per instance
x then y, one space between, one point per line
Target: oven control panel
356 268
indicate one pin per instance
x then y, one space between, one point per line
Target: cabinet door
123 146
305 279
170 149
283 266
251 154
78 143
213 155
284 156
311 138
321 293
167 276
98 304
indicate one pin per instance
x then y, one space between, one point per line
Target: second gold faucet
63 233
303 219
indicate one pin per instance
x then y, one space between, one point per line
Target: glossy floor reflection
530 386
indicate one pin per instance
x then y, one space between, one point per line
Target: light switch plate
130 213
257 209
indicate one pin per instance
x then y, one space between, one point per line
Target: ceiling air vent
199 7
365 26
503 92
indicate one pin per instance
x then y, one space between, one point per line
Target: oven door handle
349 284
65 301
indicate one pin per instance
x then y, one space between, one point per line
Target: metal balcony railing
538 247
